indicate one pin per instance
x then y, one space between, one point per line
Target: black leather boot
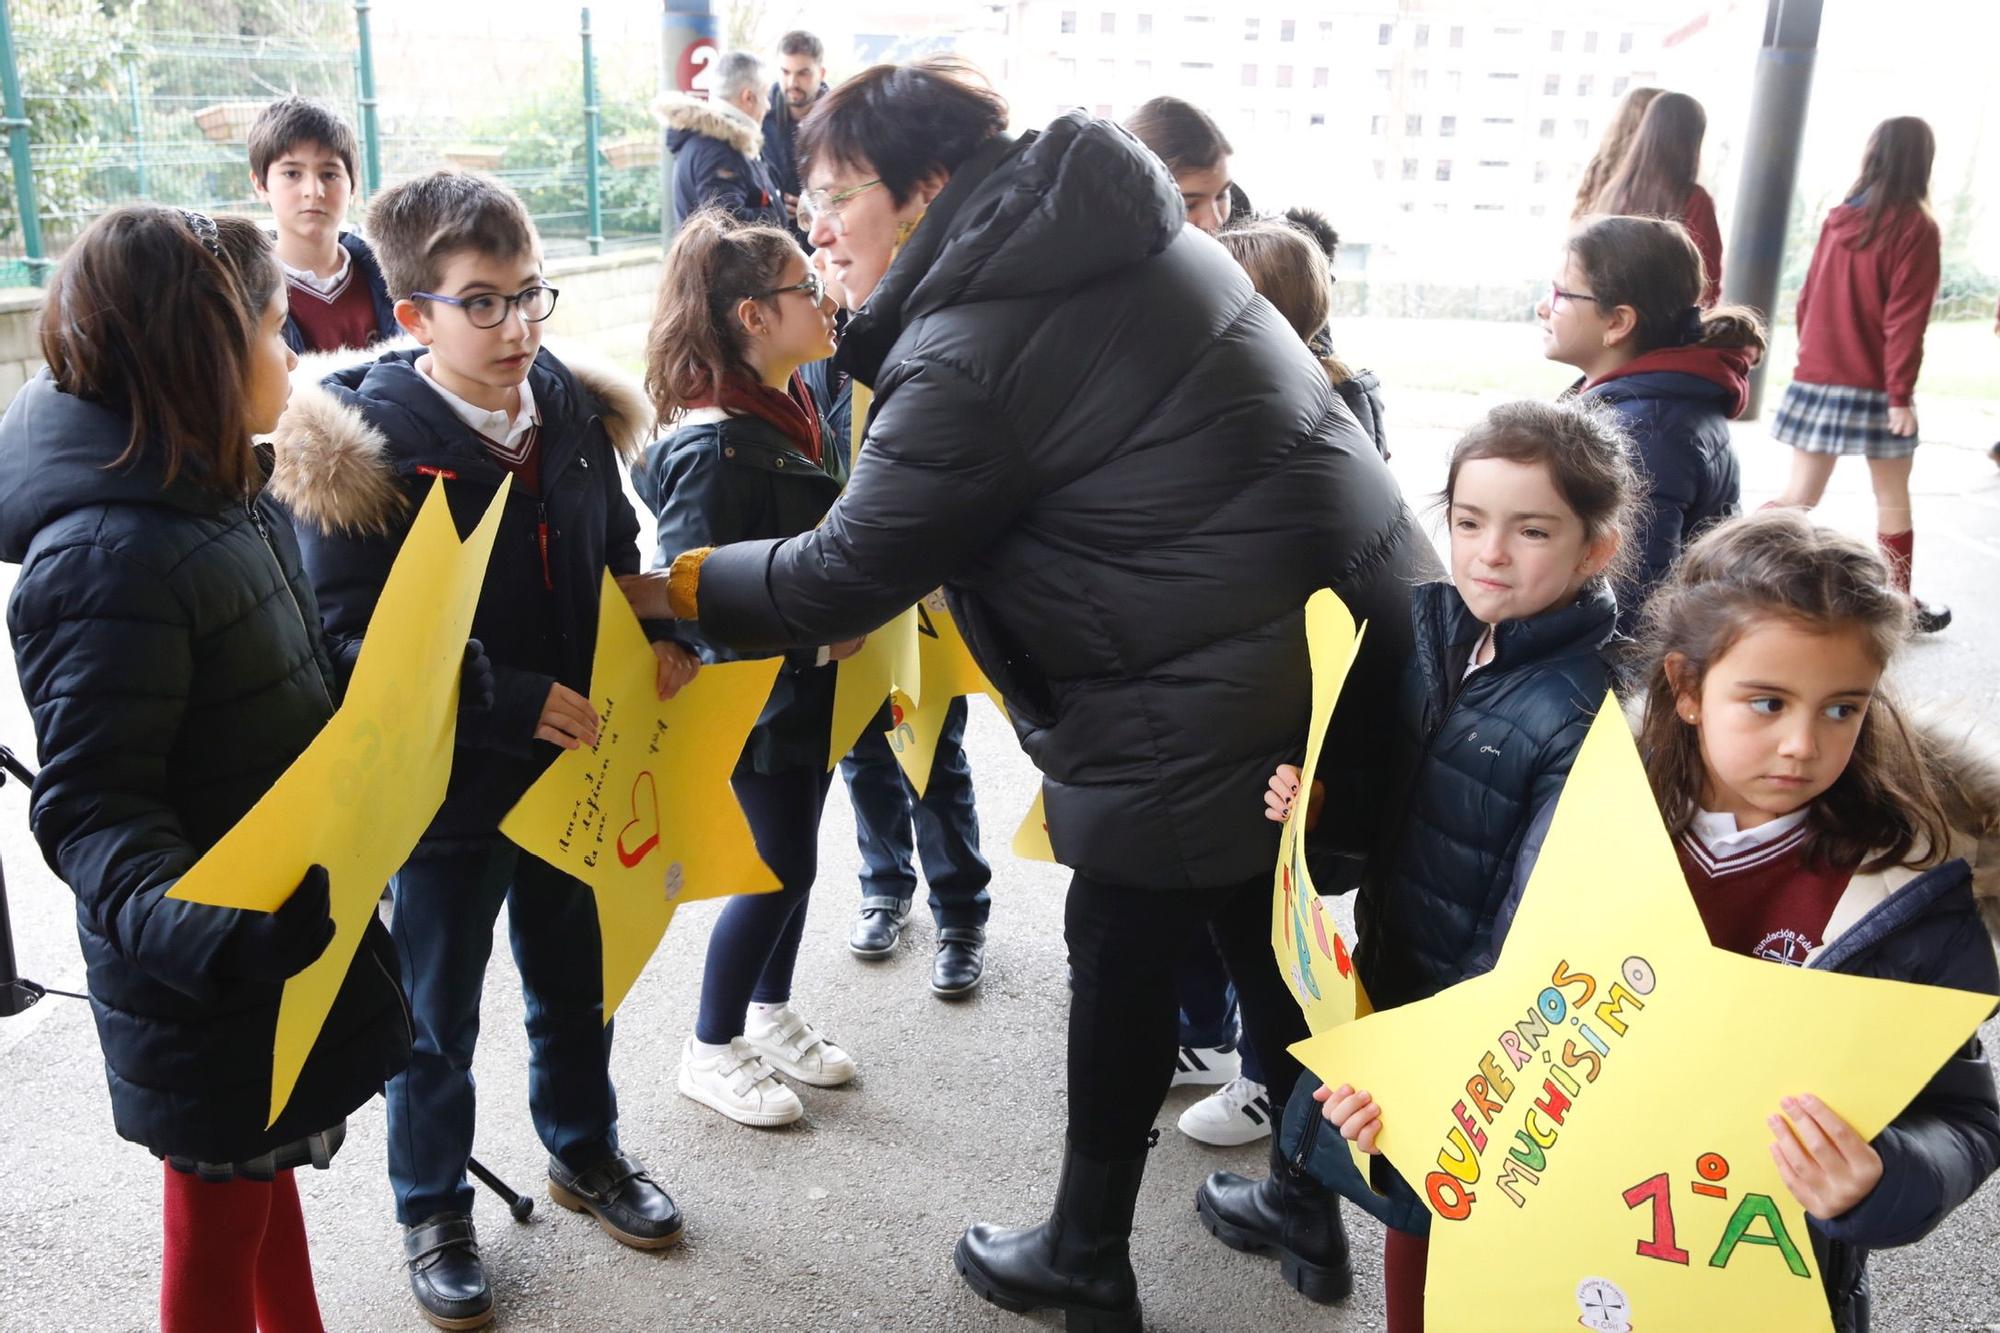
959 963
1288 1212
1078 1261
446 1274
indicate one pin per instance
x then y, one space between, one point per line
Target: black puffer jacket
1128 473
170 655
356 457
722 479
1490 750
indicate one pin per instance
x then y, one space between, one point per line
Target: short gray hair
735 71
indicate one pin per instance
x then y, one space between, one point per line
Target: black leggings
1123 1013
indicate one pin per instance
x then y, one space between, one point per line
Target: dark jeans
947 828
755 943
1122 1020
1209 1015
445 907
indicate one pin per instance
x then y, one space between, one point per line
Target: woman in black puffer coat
168 649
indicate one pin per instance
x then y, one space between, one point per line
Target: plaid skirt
1839 419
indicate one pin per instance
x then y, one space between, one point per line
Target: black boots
1077 1262
446 1275
1289 1212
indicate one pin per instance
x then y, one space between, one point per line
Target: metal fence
99 115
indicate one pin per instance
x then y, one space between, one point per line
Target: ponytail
1652 265
696 341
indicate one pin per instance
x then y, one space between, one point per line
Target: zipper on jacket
257 522
542 544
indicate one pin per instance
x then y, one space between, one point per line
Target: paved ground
847 1220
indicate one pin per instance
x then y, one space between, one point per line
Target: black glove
272 946
475 679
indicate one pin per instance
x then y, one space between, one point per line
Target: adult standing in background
1128 474
1657 180
801 83
718 146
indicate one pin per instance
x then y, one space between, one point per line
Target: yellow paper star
1587 1121
647 818
946 672
368 786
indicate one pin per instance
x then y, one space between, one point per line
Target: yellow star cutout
946 671
1563 1113
368 786
647 818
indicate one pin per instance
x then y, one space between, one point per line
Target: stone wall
606 301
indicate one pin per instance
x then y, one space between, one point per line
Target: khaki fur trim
711 120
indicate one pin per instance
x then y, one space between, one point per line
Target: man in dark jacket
801 83
1128 474
718 146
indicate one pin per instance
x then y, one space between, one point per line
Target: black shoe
446 1274
960 961
1289 1212
623 1199
878 928
1930 617
1077 1262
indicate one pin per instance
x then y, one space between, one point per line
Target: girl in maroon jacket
1861 319
1656 180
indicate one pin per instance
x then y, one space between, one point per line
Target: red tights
236 1258
1404 1261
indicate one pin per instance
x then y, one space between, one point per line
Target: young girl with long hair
1657 179
1862 314
1624 309
1538 498
169 652
740 310
1816 829
1611 149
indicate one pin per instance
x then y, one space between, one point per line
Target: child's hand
1903 421
568 719
1355 1114
678 668
1278 796
1826 1165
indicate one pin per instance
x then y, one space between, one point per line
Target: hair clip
204 229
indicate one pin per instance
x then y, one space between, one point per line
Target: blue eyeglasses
488 310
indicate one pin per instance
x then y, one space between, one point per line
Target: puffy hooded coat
170 654
1128 474
719 161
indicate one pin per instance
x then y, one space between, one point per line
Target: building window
1409 168
1145 25
1318 120
1378 124
1409 206
1202 69
1624 43
1384 34
1457 37
1320 76
1454 79
1551 84
1381 170
1069 20
1107 24
1067 68
1250 27
1284 121
1420 79
1538 210
1590 43
1503 74
1447 126
1249 76
1541 172
1383 79
1619 85
1284 76
1497 120
1413 125
1422 36
1494 164
1288 29
1325 29
1143 68
1582 128
1548 129
1444 169
1556 40
1248 118
1584 83
1489 208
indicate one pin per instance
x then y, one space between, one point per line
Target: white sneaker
1206 1064
797 1048
739 1084
1238 1113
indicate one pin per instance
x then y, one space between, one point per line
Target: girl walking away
169 652
1290 263
1862 314
740 311
1657 179
1623 309
1507 673
1816 830
1610 153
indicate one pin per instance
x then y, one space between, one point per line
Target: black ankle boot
1289 1212
1077 1262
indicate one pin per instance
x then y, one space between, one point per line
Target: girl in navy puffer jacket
1508 671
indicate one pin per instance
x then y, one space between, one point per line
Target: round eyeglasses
490 309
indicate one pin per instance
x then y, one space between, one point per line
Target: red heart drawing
647 815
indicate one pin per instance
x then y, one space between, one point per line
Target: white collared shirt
497 427
1718 833
328 287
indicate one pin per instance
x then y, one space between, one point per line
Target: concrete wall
606 301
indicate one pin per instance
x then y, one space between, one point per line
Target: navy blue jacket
358 454
735 479
1676 404
362 259
1945 1144
781 148
719 161
170 656
1484 753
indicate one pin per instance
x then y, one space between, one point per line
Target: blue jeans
946 825
443 930
1209 1015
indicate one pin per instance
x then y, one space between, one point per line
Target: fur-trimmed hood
335 469
1968 768
711 120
